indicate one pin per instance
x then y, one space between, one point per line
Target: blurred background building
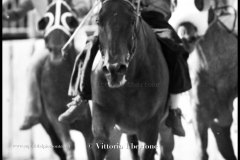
23 28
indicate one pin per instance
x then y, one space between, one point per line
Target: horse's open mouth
116 80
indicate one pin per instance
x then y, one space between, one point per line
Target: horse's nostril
105 70
114 69
122 69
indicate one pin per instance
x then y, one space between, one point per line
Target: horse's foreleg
88 144
223 139
149 135
201 134
132 139
85 126
221 131
63 132
53 136
166 143
88 136
114 154
102 124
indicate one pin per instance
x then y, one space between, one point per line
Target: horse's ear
211 15
72 22
42 23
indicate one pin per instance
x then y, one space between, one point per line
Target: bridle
96 5
235 17
137 14
58 21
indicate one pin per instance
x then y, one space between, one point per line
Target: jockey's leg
176 58
33 103
84 86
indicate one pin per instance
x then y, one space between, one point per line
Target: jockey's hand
75 101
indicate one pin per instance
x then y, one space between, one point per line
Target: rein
89 14
221 23
235 17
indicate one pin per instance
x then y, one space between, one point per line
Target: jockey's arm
19 12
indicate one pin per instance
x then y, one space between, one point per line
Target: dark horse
53 78
130 82
213 69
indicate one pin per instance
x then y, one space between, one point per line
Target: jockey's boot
74 111
29 122
174 121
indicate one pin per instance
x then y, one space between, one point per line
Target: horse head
117 34
58 23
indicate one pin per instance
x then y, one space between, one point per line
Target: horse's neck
148 56
147 43
216 38
217 48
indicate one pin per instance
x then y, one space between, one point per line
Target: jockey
156 13
34 107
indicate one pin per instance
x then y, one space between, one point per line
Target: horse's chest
130 104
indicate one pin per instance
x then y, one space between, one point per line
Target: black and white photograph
119 79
